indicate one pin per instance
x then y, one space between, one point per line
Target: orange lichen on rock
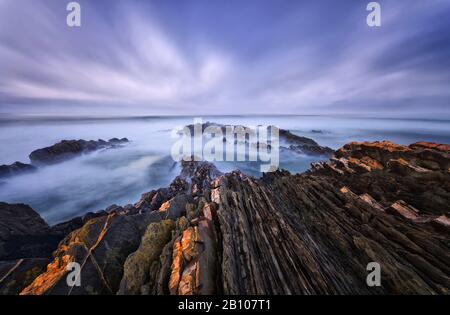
55 271
164 206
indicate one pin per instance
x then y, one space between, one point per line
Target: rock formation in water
15 169
312 233
59 152
288 140
67 149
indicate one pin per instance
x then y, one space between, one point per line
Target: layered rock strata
314 233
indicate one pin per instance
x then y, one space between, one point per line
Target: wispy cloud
167 57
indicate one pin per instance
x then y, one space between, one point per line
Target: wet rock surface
312 233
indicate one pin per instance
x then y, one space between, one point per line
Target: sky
233 57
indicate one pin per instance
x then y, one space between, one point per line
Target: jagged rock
23 233
311 233
15 275
101 247
194 258
175 207
417 174
67 149
15 169
297 144
311 150
195 176
303 145
141 266
297 235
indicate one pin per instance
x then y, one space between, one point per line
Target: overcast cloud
225 57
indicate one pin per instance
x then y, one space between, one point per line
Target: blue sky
172 57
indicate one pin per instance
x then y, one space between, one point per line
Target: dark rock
16 168
100 247
310 233
418 174
15 275
23 233
295 143
67 149
311 150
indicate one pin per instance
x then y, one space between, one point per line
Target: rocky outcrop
17 274
67 149
303 145
141 267
195 178
289 141
100 248
313 233
418 174
61 151
16 168
23 233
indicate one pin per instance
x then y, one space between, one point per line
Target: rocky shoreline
214 233
59 152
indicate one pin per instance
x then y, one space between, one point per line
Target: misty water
97 180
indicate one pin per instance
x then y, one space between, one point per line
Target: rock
311 233
67 149
194 261
417 174
289 235
297 144
23 233
15 275
141 266
16 168
175 207
311 150
100 247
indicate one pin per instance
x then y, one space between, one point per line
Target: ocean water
94 181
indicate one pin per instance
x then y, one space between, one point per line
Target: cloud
223 58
